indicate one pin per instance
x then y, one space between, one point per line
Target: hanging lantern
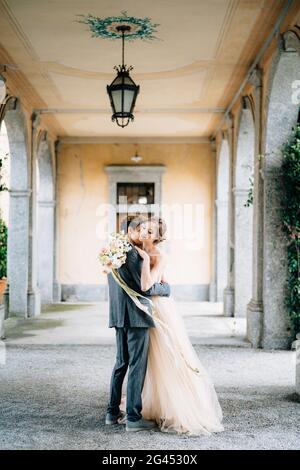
123 91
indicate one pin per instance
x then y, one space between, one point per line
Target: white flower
115 254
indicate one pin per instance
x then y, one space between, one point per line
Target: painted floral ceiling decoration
140 28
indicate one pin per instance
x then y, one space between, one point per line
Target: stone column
222 230
34 296
15 296
213 283
45 215
228 295
221 211
45 249
243 252
243 216
298 366
282 113
2 318
56 284
255 306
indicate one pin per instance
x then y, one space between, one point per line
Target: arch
243 216
4 149
282 114
222 218
45 219
16 296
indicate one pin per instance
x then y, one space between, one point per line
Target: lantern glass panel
117 100
128 99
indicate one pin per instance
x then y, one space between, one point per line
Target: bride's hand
143 253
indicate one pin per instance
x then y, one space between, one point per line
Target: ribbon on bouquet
135 298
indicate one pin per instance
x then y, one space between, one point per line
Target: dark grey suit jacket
120 303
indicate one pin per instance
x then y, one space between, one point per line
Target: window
133 190
135 193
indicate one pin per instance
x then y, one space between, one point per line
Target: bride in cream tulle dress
178 393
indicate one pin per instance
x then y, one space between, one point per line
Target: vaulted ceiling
187 76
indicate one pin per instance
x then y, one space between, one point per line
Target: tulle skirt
178 393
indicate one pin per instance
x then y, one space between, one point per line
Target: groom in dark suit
132 336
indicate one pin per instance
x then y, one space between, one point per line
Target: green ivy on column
291 224
3 249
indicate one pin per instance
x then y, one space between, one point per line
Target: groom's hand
164 290
134 265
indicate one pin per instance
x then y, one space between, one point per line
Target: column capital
46 203
20 192
255 77
36 120
240 191
291 42
213 145
229 120
221 202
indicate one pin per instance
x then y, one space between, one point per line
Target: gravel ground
54 397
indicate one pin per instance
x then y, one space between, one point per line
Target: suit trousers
132 354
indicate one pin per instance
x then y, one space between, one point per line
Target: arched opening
243 213
222 218
16 295
4 216
282 114
5 171
45 220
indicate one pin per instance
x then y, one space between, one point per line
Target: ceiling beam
139 111
133 140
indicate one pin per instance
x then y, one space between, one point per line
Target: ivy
2 185
290 216
3 227
249 201
3 249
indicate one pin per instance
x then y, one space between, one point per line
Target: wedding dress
178 393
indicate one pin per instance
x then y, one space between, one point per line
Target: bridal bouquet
114 255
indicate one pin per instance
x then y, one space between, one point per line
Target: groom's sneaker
112 419
140 425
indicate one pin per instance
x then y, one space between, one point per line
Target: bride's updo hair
162 228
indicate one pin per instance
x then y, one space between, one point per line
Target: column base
298 367
213 292
56 292
6 302
255 323
34 303
277 342
228 299
2 318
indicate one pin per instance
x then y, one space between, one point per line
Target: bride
178 393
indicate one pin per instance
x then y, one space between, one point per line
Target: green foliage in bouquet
291 224
3 249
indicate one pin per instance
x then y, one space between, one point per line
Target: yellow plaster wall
83 187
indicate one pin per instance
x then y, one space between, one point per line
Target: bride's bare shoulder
160 255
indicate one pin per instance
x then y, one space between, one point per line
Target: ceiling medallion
107 28
122 91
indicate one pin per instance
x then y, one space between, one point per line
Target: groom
132 336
